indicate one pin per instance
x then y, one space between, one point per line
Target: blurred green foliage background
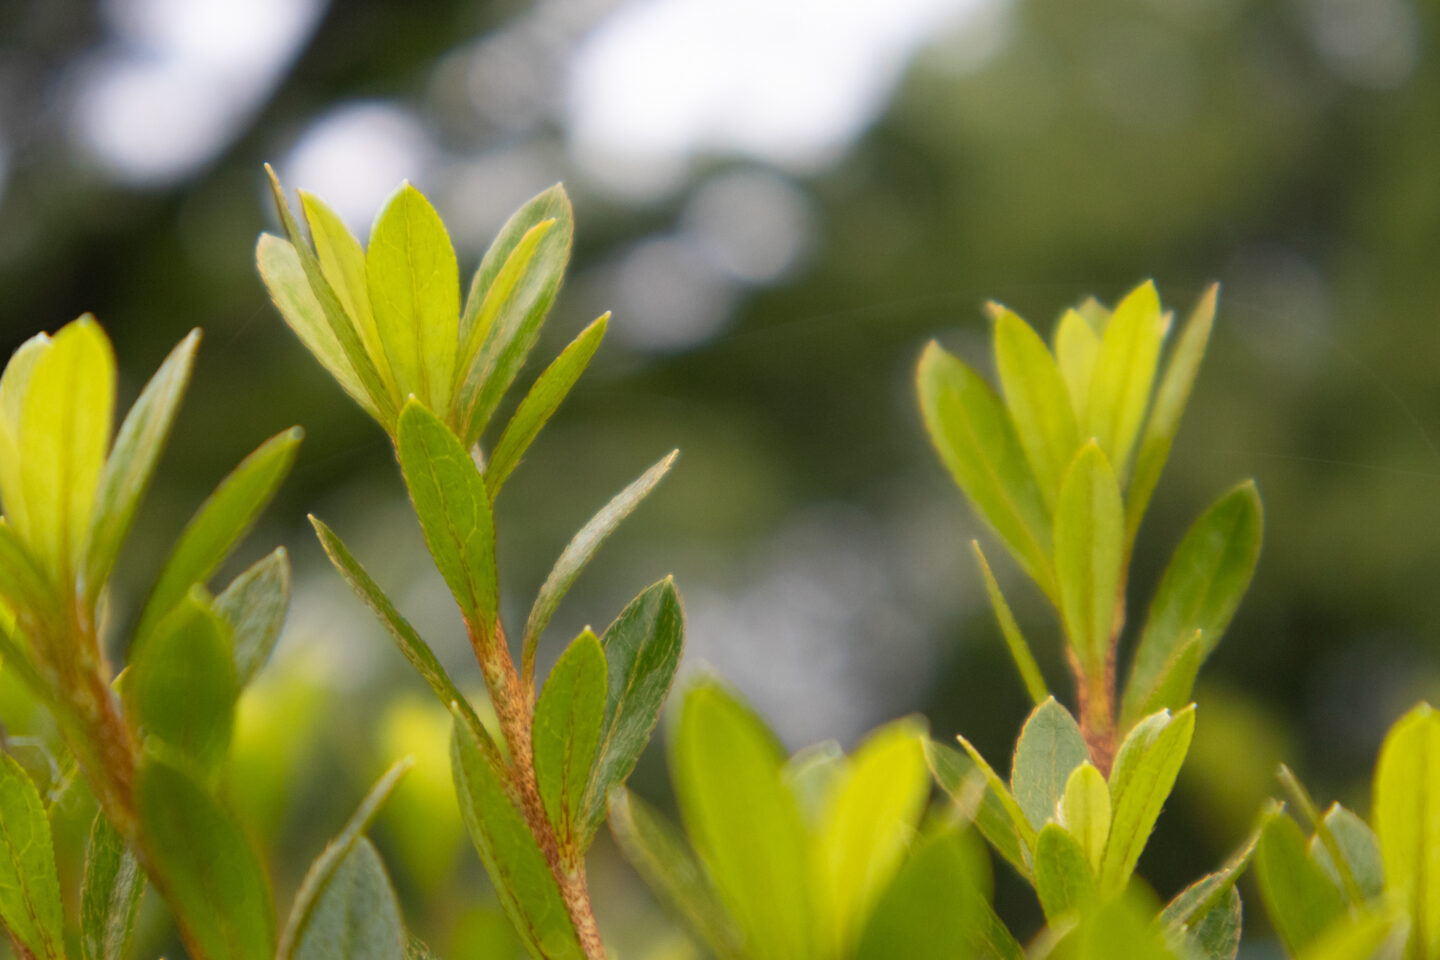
781 202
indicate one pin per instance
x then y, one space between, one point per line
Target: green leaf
357 917
1084 811
1200 591
319 914
578 553
1202 896
1038 401
132 460
342 261
522 878
566 733
1407 822
1300 898
220 523
1140 782
743 821
1361 936
454 511
977 442
414 285
1076 347
64 430
1170 400
933 910
642 650
29 887
204 866
1359 850
509 298
254 606
1014 813
1124 372
1064 879
658 852
1089 555
1216 935
957 775
1116 928
865 828
181 687
1171 686
414 649
284 273
540 404
1014 639
23 586
812 774
1050 747
110 898
343 333
14 384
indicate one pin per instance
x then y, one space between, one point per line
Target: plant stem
512 708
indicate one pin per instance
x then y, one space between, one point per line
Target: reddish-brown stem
1095 697
513 710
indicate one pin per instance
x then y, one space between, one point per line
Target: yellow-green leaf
976 440
1015 640
414 285
1407 822
1089 555
1038 401
64 432
29 888
744 822
1064 879
13 386
1124 372
1085 811
1076 347
1301 900
865 826
1140 783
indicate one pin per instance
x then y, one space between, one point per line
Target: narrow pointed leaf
322 917
1362 936
205 866
954 772
1076 347
933 910
286 280
1170 687
1201 589
254 606
522 878
110 898
454 511
342 261
1299 897
743 821
1216 935
1064 879
567 726
580 550
414 285
14 384
132 460
1015 640
1085 811
1140 783
1407 822
504 314
1196 900
865 829
1019 823
1170 400
411 646
976 440
1089 555
1050 747
220 523
1038 401
541 403
181 687
29 888
656 849
342 329
1124 373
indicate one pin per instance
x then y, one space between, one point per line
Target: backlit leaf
1407 822
933 910
1015 640
1124 372
254 606
1038 401
29 888
1300 898
1089 555
1140 783
1085 811
1064 879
